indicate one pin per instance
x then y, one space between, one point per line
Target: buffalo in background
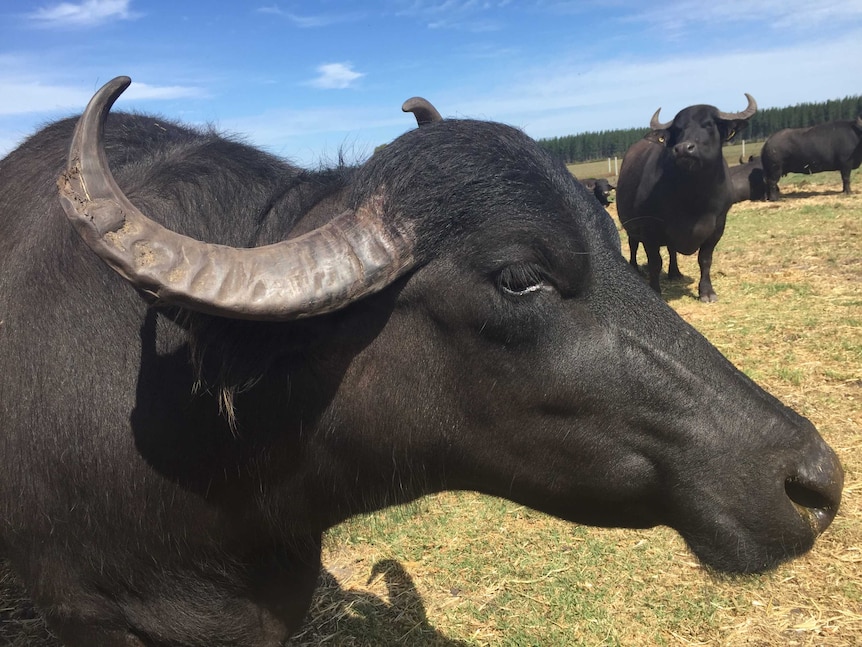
747 181
831 146
601 188
674 189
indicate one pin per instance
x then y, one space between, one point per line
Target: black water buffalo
833 146
601 188
191 397
674 191
746 180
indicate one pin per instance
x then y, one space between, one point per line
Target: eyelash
520 280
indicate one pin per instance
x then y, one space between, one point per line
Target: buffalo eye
521 280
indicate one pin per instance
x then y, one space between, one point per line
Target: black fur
830 146
165 476
599 187
747 180
674 192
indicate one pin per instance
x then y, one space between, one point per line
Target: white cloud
335 76
568 95
144 92
24 96
83 14
573 96
456 15
678 15
310 21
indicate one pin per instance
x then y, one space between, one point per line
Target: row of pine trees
589 146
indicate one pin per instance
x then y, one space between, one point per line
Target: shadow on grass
338 617
790 194
681 288
345 618
674 289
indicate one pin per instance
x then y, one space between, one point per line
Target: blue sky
306 79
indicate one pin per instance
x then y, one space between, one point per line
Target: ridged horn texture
748 113
422 109
353 255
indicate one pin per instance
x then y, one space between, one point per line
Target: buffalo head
696 134
573 402
601 188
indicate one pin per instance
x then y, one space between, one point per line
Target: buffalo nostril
685 149
805 496
817 508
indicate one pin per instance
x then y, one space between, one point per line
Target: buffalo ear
657 137
731 128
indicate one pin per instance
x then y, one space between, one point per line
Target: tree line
588 146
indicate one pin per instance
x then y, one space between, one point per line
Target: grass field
462 569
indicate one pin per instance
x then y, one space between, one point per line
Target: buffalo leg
633 252
704 259
653 266
772 190
845 180
673 272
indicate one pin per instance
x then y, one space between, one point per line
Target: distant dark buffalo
747 180
208 357
601 188
833 146
674 189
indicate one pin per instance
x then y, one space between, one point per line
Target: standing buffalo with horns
674 190
232 355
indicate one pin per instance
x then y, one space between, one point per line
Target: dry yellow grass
461 569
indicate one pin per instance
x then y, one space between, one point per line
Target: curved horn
745 114
655 124
353 255
422 109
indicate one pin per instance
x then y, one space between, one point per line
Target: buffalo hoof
711 297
